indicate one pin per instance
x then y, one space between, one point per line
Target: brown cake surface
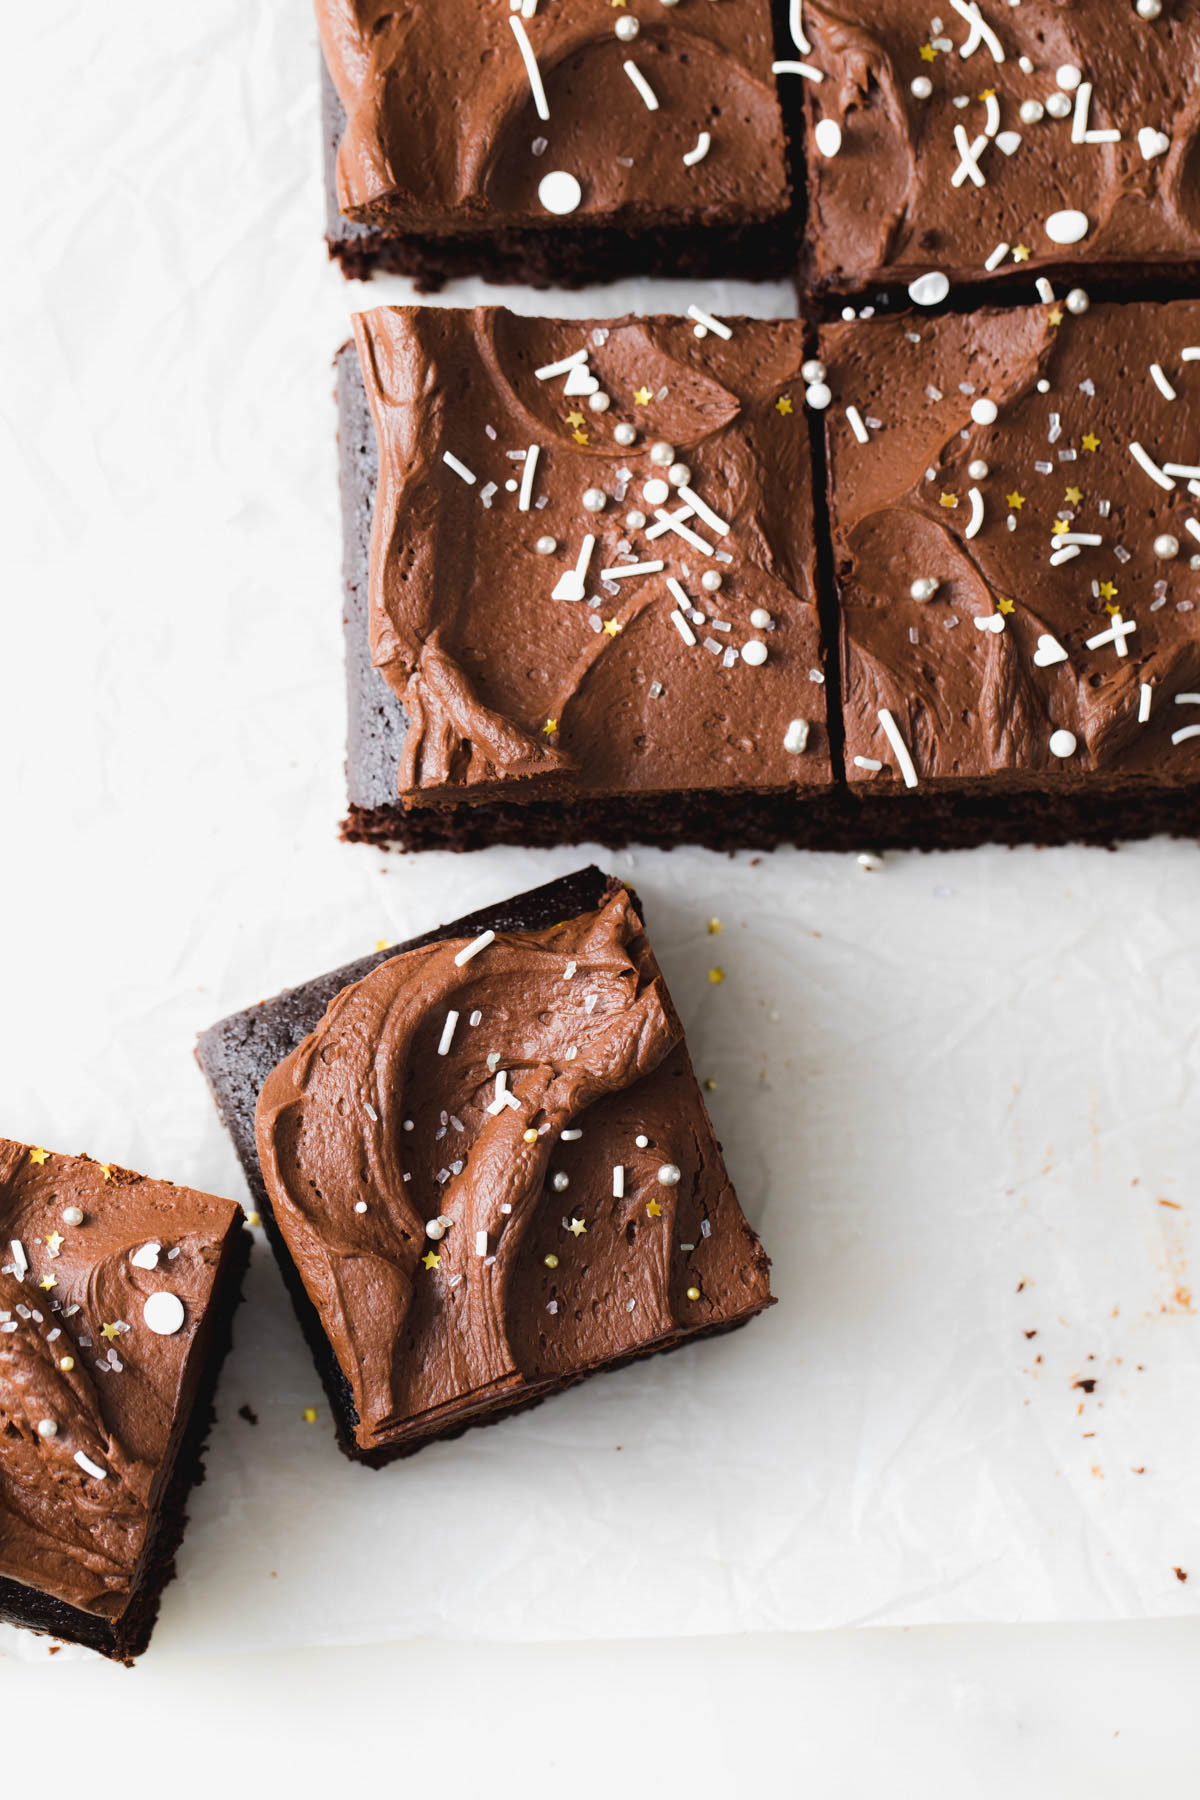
105 1339
1018 565
492 1170
982 139
499 480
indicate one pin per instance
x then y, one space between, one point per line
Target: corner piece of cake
485 1166
117 1296
581 581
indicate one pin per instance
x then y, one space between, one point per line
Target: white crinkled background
959 1098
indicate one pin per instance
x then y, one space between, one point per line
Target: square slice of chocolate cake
1015 501
484 1163
559 143
581 592
117 1296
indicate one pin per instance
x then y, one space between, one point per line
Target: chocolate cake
116 1304
485 1166
589 607
1015 507
560 142
977 140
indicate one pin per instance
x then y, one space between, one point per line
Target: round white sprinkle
813 370
1149 9
624 434
655 492
559 192
828 135
1077 301
924 587
679 474
627 29
985 412
662 454
929 290
599 402
921 87
71 1215
360 1206
435 1229
1068 77
1166 546
1067 227
1062 743
710 581
870 860
641 1140
546 546
560 1181
47 1428
1043 387
594 499
163 1313
510 487
635 520
817 395
978 470
1031 112
1058 106
760 618
754 652
668 1175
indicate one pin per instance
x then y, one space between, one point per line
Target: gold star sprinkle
577 1227
1055 315
430 1260
617 2
1061 525
716 976
581 437
1090 441
783 405
1006 606
549 727
1021 253
55 1242
642 397
1015 501
949 500
309 1415
653 1209
612 626
1073 496
715 928
574 418
1108 590
106 1171
46 1283
928 53
109 1332
253 1219
381 943
988 94
37 1155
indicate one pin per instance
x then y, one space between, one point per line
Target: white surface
984 1070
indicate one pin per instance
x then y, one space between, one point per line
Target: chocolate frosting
373 1127
443 134
886 204
1071 397
116 1398
508 691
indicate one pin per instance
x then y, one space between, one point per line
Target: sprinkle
703 510
642 85
531 67
795 738
163 1314
796 26
980 32
892 732
703 144
481 1243
1064 555
1161 383
1187 699
620 572
1074 537
669 1175
549 370
18 1255
37 1155
474 947
447 1033
976 519
867 762
827 134
459 468
89 1467
854 420
618 1181
693 1293
1187 731
930 289
1147 694
72 1215
527 474
797 68
577 1227
1148 464
969 153
674 522
1116 634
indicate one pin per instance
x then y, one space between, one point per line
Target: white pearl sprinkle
1077 301
163 1313
1149 9
985 412
641 1140
760 618
1058 106
754 652
921 87
679 474
561 1181
828 136
635 520
435 1229
817 395
1067 227
599 402
978 470
710 581
594 499
546 546
624 435
655 491
1062 744
669 1175
71 1215
47 1428
1031 112
627 29
924 587
1166 546
662 454
813 370
559 191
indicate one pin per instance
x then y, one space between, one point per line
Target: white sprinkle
642 85
531 67
703 510
892 732
163 1314
703 145
795 738
868 762
1144 702
147 1257
1189 472
668 1175
472 949
754 652
1009 142
997 257
797 68
460 468
1062 556
18 1255
674 522
976 519
1063 744
527 474
481 1243
828 136
1067 227
930 289
447 1036
618 1181
569 585
854 419
1187 699
1045 291
1083 104
796 26
89 1467
1116 634
980 32
621 571
1074 537
549 370
683 628
706 319
1186 732
992 125
969 152
1150 466
1161 383
1190 354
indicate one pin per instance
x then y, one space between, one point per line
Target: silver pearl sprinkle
710 581
627 29
71 1215
978 470
635 520
1166 547
546 546
624 434
662 454
1032 112
1077 301
594 499
560 1182
679 474
813 370
669 1175
1149 9
47 1428
599 402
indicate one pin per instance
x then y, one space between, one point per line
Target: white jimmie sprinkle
1161 383
89 1467
549 370
447 1037
905 761
527 474
624 569
706 319
703 146
474 947
704 511
854 420
1144 701
797 68
618 1181
642 85
460 468
1150 466
531 67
